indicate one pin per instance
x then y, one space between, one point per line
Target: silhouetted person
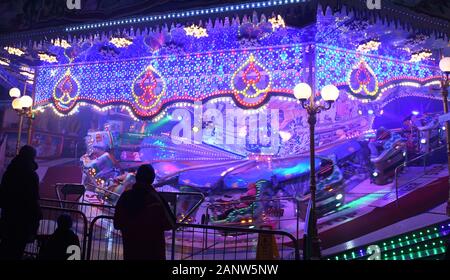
143 216
19 201
55 247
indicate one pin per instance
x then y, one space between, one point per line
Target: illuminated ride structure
206 97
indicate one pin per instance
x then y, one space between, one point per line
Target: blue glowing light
186 78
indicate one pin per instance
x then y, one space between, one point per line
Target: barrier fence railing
91 210
109 240
104 242
182 203
207 242
93 224
48 225
423 161
275 208
199 242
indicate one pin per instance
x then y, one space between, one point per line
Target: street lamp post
22 105
329 93
444 65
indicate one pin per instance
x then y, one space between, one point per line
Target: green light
392 242
361 201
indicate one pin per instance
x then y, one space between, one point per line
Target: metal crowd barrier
93 223
48 225
104 242
207 242
199 242
279 217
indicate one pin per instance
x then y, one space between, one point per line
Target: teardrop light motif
362 81
66 92
251 82
148 88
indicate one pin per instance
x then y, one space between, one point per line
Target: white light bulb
444 64
14 92
26 101
330 93
16 104
302 91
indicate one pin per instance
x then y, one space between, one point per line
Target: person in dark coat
55 247
142 216
19 202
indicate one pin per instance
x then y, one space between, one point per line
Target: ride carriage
430 135
392 154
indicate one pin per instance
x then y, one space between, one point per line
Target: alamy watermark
374 4
73 4
374 252
226 127
74 252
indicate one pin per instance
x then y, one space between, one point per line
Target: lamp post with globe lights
23 106
303 93
444 65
